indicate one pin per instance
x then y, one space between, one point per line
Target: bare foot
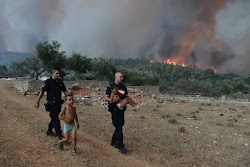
60 145
74 152
136 107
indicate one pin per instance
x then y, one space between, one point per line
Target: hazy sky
217 31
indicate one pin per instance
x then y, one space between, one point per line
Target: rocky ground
166 131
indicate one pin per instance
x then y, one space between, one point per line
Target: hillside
165 132
6 58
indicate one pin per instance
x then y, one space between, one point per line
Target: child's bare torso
70 114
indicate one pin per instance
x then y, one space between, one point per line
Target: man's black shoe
123 150
114 145
60 137
50 133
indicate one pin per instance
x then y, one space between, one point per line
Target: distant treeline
171 78
6 58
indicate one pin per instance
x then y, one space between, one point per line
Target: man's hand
37 105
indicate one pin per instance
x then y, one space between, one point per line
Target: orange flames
196 66
168 61
215 70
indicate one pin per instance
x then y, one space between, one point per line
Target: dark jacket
54 89
113 106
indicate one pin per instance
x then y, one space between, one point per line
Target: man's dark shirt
120 87
54 90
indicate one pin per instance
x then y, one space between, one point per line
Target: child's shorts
68 127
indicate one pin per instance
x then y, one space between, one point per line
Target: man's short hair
56 68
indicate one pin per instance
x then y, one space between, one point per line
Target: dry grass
182 129
173 121
165 116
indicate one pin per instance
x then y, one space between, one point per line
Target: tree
103 68
50 55
78 63
17 69
241 87
34 65
206 88
3 71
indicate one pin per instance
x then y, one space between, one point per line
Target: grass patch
197 111
173 121
142 117
219 124
247 133
194 117
239 116
230 124
182 129
178 114
165 116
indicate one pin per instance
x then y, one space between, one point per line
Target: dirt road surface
159 135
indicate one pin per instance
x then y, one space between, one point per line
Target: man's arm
44 88
39 98
126 91
114 98
63 88
111 99
107 94
107 98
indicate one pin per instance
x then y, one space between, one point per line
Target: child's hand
61 117
77 125
37 105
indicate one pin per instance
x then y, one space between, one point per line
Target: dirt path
159 135
23 141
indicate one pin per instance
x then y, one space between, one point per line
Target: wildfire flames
168 61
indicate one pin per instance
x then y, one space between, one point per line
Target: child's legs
124 102
132 102
66 138
74 138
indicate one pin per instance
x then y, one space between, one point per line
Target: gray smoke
233 28
187 31
24 23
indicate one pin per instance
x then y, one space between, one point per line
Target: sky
208 33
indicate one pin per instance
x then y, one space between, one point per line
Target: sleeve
126 90
108 90
45 86
63 88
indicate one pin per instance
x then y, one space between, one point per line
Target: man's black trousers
118 122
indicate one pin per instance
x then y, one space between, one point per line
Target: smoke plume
207 33
233 28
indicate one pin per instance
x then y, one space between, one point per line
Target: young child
116 95
69 116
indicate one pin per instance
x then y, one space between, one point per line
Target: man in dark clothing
54 88
117 114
